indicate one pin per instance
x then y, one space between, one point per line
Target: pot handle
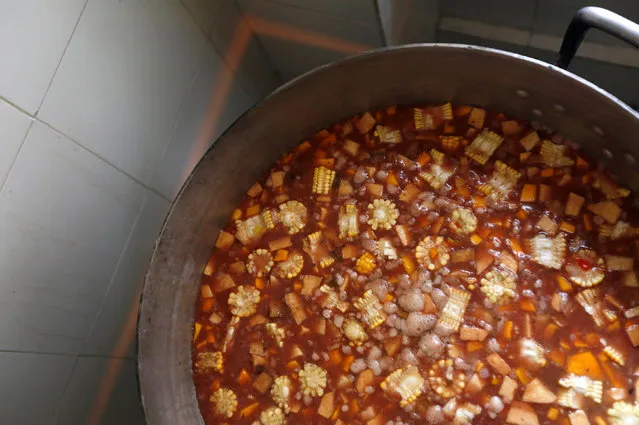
594 17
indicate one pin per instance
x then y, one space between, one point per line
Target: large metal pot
424 73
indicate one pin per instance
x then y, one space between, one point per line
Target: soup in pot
424 265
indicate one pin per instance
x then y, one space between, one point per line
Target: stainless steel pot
424 73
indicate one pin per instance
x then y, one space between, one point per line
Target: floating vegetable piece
371 309
290 267
225 402
465 414
452 314
502 181
332 300
476 117
445 380
207 362
608 187
296 305
532 352
277 333
522 414
607 210
323 180
620 230
365 264
313 380
574 204
230 332
549 252
463 221
554 155
423 120
272 416
259 262
250 230
498 286
354 331
244 301
383 214
281 391
388 135
585 363
592 303
432 253
567 397
537 392
293 216
618 263
530 141
269 218
591 388
624 413
585 268
450 143
407 382
615 355
365 123
386 249
348 221
437 174
484 145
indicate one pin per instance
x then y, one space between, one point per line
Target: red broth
419 265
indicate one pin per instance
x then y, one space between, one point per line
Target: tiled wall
105 107
535 28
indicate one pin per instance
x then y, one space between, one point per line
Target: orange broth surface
424 265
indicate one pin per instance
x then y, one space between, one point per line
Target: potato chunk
522 414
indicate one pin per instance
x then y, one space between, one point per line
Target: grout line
115 270
65 388
46 92
624 56
16 106
135 179
15 158
46 353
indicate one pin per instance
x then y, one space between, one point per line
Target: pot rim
174 216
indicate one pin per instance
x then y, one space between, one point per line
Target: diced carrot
515 246
580 343
567 227
292 365
479 201
462 110
198 328
472 346
281 255
507 332
475 239
449 128
249 410
528 305
550 330
581 163
391 179
521 215
286 159
259 283
409 264
237 214
326 162
529 193
553 413
584 363
563 284
545 192
348 360
613 375
303 147
224 240
207 305
523 375
297 286
244 378
423 158
547 172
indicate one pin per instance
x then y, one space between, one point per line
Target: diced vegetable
537 392
521 414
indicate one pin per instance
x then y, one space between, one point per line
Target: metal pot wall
425 73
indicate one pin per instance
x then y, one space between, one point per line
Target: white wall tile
123 293
513 13
123 78
31 386
26 27
355 10
88 380
553 17
13 127
65 216
257 73
199 122
308 20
